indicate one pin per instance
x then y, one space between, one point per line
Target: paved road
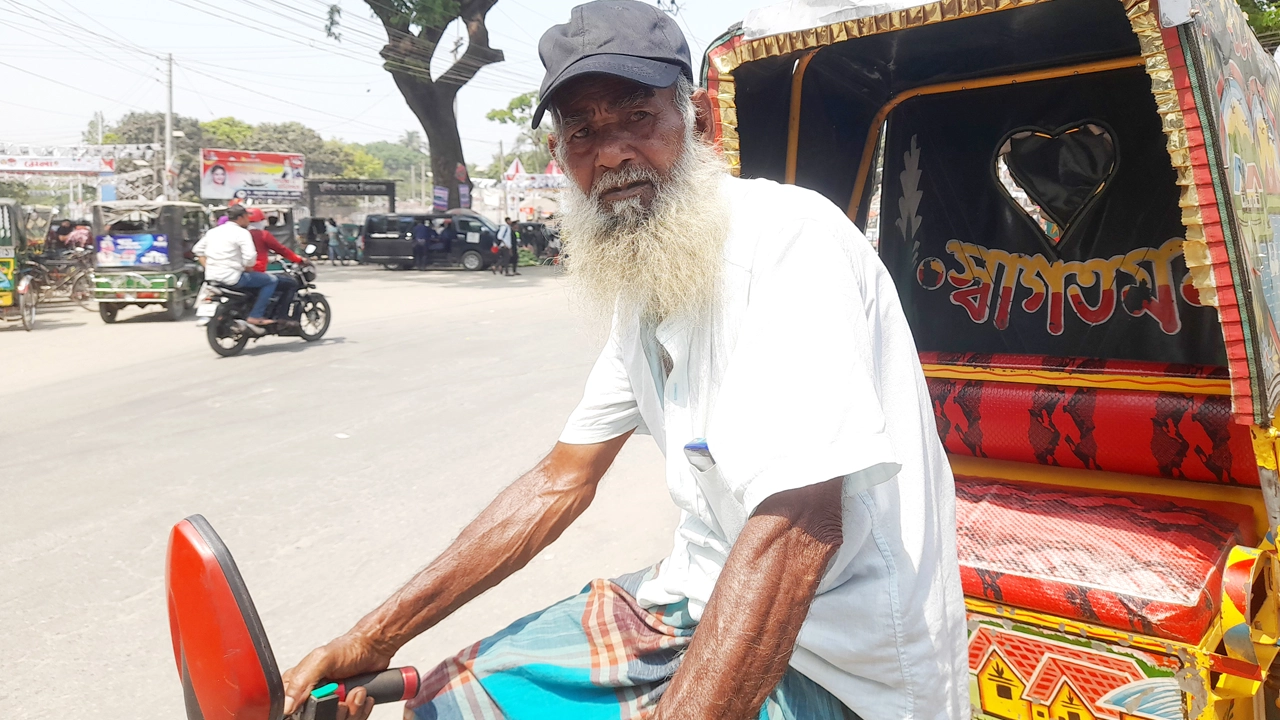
332 470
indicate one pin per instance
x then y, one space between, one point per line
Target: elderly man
814 571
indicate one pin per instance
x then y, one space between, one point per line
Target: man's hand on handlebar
345 656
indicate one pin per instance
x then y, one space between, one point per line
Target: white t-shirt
805 371
227 250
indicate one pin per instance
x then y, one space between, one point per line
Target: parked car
388 240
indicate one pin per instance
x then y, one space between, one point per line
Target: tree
411 139
17 189
531 144
414 29
228 133
1264 18
148 127
397 158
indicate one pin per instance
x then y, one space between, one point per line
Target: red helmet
255 215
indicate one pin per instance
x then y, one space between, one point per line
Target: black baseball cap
625 38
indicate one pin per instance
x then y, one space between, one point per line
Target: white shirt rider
227 250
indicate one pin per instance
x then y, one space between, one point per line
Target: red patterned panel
1139 563
1171 435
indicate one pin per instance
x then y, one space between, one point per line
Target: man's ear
702 107
552 141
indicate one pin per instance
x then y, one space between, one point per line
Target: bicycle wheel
82 292
27 308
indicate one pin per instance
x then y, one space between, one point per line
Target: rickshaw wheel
225 341
315 318
27 309
108 312
82 292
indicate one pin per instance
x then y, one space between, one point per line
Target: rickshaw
1079 202
143 255
22 234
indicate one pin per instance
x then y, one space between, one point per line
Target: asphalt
333 471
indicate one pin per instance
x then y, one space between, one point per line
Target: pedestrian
514 260
814 572
421 236
503 248
335 240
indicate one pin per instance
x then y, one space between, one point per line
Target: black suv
388 240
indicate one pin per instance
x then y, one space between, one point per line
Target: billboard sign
30 164
228 174
141 250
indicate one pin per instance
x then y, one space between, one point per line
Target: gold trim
793 119
814 38
722 88
1195 251
873 133
1195 386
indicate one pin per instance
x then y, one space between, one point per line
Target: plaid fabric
594 656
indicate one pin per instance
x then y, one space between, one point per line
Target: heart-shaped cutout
1054 176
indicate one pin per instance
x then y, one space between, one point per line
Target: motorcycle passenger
228 255
266 243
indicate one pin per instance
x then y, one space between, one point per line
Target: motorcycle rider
266 243
228 255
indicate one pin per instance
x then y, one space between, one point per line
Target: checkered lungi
594 656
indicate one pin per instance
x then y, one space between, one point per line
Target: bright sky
263 61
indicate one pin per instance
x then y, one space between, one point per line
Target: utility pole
502 165
101 120
168 138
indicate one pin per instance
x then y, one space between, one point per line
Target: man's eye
639 115
581 133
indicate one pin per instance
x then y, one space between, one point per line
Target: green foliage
397 159
360 164
227 132
531 144
1264 18
17 189
412 139
148 127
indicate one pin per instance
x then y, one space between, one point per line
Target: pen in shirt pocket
699 455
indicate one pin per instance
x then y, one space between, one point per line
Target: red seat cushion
1140 563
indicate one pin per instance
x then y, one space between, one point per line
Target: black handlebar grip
391 685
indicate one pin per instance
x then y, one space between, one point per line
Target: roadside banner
464 196
56 165
440 198
227 174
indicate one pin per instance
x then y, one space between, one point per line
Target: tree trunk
408 59
432 104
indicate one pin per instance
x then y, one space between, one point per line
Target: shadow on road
297 345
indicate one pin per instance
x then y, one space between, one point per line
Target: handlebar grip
391 685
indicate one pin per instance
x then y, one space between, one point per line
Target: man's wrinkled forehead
583 97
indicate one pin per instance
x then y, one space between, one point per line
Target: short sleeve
800 400
608 407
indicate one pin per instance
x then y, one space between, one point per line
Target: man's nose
614 151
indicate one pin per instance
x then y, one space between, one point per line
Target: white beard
661 262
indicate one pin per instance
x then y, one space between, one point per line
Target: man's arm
525 518
749 628
278 248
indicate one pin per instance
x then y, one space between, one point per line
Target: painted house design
1021 677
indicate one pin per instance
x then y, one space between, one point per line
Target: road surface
332 470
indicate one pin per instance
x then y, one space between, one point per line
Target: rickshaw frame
1229 667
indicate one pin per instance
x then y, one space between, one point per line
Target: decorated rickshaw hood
1217 94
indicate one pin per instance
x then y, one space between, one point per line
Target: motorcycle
224 312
